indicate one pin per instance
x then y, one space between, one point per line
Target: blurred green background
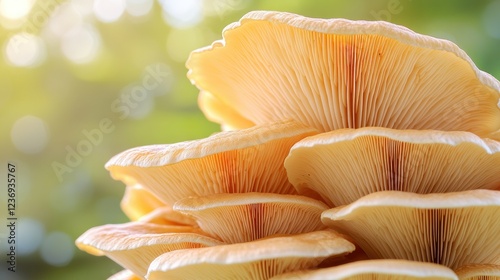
82 80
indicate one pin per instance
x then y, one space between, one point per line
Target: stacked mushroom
352 150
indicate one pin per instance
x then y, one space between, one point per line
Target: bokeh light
83 7
108 10
30 235
30 135
81 44
182 14
139 8
15 9
25 50
64 19
57 249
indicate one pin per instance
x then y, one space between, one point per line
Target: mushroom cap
165 215
218 112
137 202
243 217
135 245
124 275
375 270
260 259
479 272
249 160
452 229
346 164
337 73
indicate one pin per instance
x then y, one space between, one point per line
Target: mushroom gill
337 73
124 275
138 202
135 245
452 229
346 164
375 270
243 217
249 160
255 260
479 272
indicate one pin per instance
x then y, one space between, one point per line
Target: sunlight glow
108 10
15 9
81 44
139 8
182 14
25 50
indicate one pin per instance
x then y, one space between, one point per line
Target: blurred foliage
66 97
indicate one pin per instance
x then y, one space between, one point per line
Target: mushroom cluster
350 150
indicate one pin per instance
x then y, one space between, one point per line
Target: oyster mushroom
135 245
243 217
218 112
124 275
346 164
259 259
249 160
375 269
479 272
137 202
337 73
452 229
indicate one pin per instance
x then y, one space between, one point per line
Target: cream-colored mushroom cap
138 202
346 164
375 270
337 73
260 259
249 160
243 217
124 275
167 216
479 272
218 112
135 245
452 229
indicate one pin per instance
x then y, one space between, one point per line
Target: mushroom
243 217
479 272
346 164
451 229
337 73
135 245
260 259
124 275
249 160
165 215
375 269
137 202
218 112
